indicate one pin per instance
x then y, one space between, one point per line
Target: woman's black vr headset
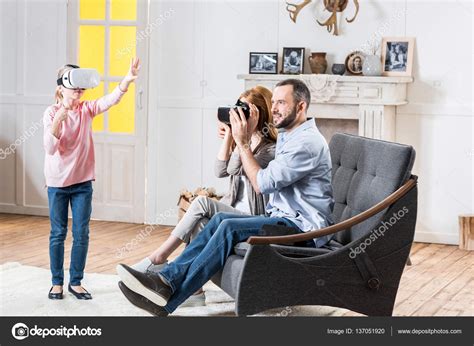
223 112
79 78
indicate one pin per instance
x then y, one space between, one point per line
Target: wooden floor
439 283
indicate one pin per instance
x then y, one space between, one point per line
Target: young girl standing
69 172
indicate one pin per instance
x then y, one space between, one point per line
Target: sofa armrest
276 230
302 237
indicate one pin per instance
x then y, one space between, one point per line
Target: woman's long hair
261 97
58 96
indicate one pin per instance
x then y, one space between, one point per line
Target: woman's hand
131 75
223 130
252 121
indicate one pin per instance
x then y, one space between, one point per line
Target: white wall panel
45 44
179 52
32 47
443 55
232 29
31 157
7 160
179 156
120 183
8 39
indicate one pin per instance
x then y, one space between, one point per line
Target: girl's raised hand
133 70
131 75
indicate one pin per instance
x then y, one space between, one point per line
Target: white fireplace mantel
370 100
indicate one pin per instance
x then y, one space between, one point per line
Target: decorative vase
372 65
318 63
339 69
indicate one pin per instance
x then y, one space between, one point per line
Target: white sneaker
194 300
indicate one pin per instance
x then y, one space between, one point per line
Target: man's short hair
300 90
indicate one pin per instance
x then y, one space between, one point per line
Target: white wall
196 55
32 46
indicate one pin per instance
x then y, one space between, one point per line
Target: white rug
24 292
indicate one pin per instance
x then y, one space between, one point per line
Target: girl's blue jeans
59 198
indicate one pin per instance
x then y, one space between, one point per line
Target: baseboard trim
437 238
23 210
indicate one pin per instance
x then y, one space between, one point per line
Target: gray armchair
360 268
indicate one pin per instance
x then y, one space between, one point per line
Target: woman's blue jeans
59 198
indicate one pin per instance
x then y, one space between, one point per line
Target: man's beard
288 120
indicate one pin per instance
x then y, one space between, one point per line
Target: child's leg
201 210
81 206
58 200
198 215
211 207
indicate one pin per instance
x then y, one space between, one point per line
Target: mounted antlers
295 9
331 22
356 3
332 6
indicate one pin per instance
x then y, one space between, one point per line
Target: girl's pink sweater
70 158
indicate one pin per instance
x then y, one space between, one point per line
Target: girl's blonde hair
58 96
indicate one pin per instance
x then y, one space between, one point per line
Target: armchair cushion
364 172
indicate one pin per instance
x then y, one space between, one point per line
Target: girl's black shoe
83 296
55 295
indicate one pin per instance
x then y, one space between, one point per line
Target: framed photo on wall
293 60
397 56
263 62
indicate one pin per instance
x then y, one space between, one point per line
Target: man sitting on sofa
298 181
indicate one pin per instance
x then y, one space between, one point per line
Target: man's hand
242 130
239 127
244 127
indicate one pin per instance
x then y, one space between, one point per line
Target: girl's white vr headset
79 78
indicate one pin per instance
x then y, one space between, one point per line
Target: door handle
140 104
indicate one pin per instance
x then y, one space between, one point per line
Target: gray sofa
374 213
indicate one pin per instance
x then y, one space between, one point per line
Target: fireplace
328 127
358 105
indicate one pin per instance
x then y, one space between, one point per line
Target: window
107 41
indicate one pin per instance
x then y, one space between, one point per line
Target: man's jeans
206 254
80 197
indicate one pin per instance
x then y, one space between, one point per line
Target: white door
105 35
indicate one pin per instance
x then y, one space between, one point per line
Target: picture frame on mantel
293 60
397 56
263 63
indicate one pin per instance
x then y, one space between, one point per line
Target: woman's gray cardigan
263 153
